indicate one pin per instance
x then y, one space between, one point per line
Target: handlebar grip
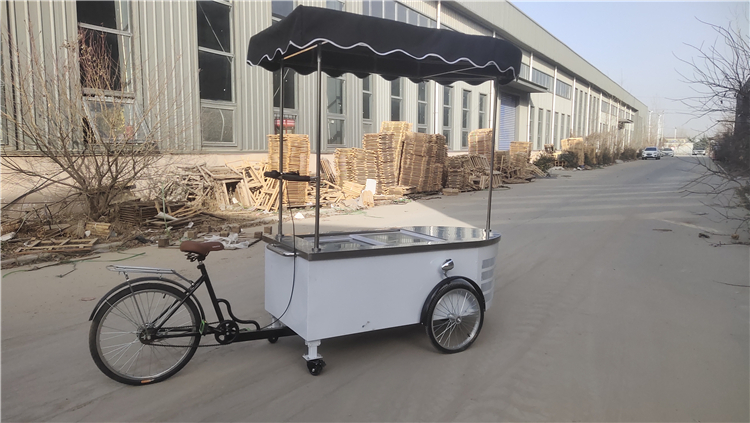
274 174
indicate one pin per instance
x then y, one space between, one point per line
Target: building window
422 107
482 111
563 90
541 78
396 100
549 123
215 58
540 128
215 77
106 34
367 104
447 113
531 128
334 4
396 11
106 71
524 74
335 108
567 127
465 101
281 8
556 126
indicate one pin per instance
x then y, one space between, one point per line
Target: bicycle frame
272 331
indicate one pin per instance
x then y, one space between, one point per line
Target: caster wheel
273 339
315 366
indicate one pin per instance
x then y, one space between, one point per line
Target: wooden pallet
58 246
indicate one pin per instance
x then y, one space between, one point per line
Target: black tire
454 317
120 322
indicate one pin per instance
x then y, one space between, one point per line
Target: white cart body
365 281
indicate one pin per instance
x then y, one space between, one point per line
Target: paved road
609 307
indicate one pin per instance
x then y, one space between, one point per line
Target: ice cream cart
324 285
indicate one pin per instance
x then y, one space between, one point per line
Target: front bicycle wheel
126 346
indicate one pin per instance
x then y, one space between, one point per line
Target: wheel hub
146 335
454 318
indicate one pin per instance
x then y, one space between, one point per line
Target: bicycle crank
226 332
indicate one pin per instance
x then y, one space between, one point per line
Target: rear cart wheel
455 317
126 346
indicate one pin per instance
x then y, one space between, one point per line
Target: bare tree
73 121
721 81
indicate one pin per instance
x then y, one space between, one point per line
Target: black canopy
363 45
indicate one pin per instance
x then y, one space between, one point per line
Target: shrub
589 158
544 162
570 158
605 156
629 153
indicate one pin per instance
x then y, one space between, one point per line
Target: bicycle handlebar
287 176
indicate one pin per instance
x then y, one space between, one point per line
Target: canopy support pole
281 148
318 129
495 94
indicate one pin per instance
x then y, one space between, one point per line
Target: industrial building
193 55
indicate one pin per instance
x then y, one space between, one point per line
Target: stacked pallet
422 161
457 176
356 164
400 131
575 145
385 146
480 142
471 172
341 159
296 159
519 153
436 175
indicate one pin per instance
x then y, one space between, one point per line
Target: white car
667 152
651 153
699 152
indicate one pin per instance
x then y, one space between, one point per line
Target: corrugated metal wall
165 49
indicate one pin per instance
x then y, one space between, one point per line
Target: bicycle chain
190 346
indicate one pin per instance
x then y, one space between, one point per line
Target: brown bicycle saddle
201 248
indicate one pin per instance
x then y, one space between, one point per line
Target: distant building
232 107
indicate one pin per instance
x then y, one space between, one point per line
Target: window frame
482 111
398 98
447 108
229 55
127 73
425 102
337 117
223 106
465 118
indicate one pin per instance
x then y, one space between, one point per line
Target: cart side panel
486 268
363 294
280 277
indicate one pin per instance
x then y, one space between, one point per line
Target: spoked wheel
123 341
455 317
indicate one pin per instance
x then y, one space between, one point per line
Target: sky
637 44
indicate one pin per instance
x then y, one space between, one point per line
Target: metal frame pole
495 95
281 148
316 246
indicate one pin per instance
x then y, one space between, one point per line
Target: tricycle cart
320 286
